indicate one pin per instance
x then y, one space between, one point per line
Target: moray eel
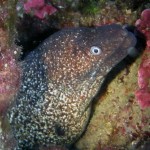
59 80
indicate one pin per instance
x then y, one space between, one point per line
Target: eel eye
95 50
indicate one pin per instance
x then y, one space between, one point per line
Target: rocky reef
120 112
143 94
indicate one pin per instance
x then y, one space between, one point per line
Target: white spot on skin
15 52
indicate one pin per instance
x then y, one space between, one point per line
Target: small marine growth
143 93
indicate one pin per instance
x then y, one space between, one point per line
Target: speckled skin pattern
60 79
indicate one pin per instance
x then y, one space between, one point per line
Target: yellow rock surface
117 117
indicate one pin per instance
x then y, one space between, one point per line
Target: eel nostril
125 33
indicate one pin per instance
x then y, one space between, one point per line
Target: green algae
11 20
91 7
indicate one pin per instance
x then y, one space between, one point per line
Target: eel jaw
132 52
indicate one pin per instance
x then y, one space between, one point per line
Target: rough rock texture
117 121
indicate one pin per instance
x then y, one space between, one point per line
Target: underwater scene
74 75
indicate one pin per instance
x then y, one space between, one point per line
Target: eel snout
132 41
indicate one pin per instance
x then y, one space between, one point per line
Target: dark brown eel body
60 79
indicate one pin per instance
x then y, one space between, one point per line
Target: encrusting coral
143 94
38 8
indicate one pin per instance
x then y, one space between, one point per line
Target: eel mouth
138 38
128 46
132 51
